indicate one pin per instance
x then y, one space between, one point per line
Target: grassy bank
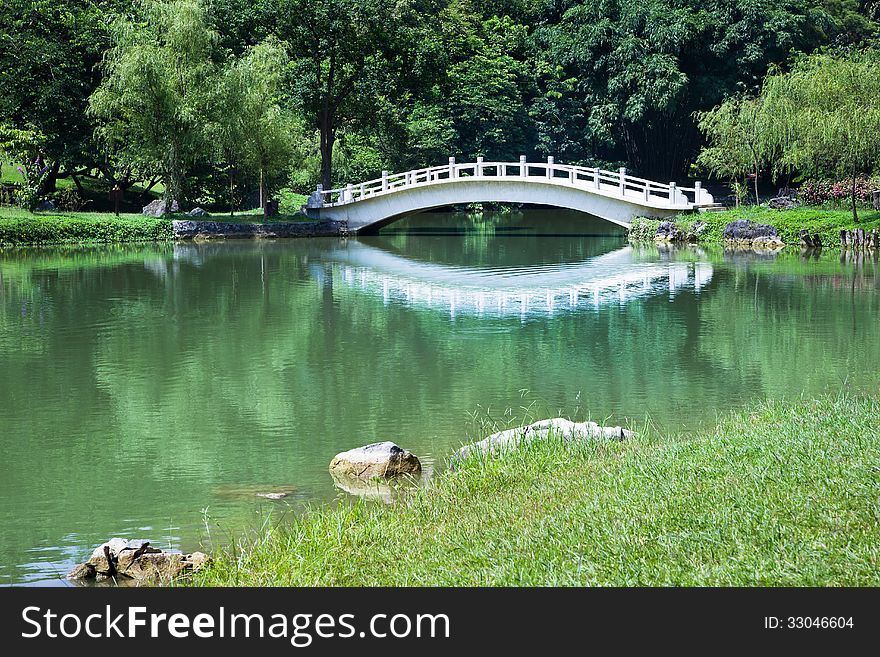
788 223
785 494
18 227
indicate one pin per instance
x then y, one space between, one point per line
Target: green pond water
152 391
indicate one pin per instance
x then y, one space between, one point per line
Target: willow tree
739 141
824 116
151 104
251 128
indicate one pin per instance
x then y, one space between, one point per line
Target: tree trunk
855 212
50 185
757 198
328 137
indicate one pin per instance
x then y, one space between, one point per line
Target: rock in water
135 559
567 430
377 460
157 208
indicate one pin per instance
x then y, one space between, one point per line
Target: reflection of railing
642 280
609 183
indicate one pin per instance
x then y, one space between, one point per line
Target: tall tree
643 67
152 104
347 55
825 115
49 52
739 141
253 131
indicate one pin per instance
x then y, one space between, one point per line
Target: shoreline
20 229
761 499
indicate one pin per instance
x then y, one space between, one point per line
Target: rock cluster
135 560
747 233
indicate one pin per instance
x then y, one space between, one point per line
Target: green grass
19 227
785 494
826 223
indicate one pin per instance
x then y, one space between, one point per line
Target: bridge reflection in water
615 277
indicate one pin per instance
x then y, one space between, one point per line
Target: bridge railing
609 183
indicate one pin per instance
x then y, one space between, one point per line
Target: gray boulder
46 206
382 460
512 439
157 208
197 212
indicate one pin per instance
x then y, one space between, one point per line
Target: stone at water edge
376 460
164 565
511 439
667 231
135 559
743 231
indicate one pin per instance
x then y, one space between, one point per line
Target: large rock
377 460
197 212
135 559
511 439
747 232
157 208
667 231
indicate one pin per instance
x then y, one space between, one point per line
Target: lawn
787 493
825 222
19 227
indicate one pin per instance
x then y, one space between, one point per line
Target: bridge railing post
384 181
523 169
647 193
698 191
550 166
572 176
671 193
452 167
622 172
479 167
596 177
362 191
349 193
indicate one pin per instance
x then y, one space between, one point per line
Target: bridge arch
613 196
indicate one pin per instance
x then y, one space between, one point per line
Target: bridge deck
612 195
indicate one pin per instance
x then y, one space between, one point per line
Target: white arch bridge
611 195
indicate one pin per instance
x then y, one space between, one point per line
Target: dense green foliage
784 494
210 100
819 118
18 228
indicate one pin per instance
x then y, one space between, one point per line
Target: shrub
56 229
643 229
820 192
